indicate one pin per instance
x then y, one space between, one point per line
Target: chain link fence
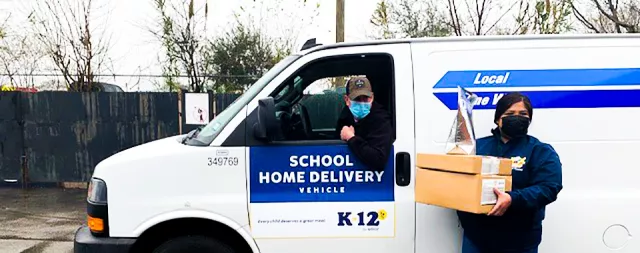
128 82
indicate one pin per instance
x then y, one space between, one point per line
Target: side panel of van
585 98
307 190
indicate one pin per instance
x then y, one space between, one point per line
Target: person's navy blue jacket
535 185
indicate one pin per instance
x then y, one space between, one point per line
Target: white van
270 174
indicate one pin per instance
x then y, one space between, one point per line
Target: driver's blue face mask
360 109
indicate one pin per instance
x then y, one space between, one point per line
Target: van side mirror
267 126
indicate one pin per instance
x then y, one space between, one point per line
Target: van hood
160 147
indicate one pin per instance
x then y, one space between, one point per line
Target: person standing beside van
365 125
515 223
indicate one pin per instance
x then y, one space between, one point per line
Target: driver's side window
309 109
323 102
309 104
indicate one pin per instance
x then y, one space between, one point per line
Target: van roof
471 38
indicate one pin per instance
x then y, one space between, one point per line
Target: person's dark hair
508 100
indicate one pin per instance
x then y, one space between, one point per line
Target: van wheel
193 244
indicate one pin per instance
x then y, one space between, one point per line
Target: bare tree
382 21
543 17
65 32
523 20
454 17
611 16
284 29
18 56
249 48
477 17
182 31
188 51
417 18
409 19
424 18
19 60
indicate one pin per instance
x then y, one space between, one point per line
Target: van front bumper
84 241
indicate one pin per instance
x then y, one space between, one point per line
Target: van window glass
211 130
323 106
310 103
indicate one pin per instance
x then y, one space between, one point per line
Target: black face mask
515 126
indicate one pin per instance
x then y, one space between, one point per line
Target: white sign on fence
196 111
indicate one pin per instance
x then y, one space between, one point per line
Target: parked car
13 88
98 86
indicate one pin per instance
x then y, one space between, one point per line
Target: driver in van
515 223
365 125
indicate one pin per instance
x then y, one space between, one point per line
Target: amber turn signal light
95 224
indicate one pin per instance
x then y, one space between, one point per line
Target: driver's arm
375 150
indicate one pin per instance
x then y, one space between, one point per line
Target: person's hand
504 201
347 133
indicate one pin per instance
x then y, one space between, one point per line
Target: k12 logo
370 219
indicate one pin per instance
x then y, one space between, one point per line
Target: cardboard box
465 192
470 164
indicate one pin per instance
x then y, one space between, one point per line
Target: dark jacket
535 185
373 136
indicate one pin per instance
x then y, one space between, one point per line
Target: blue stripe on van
554 99
539 78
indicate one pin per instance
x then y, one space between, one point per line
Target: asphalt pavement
40 220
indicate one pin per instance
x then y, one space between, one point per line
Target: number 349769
222 161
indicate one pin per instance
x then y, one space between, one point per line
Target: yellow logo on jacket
518 163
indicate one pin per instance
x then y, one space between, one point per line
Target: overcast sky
135 51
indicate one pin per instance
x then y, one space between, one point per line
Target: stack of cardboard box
461 182
460 179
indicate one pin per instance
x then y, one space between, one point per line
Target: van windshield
205 135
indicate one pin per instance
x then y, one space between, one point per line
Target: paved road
40 220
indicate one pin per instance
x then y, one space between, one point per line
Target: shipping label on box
488 195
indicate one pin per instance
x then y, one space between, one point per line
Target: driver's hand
347 133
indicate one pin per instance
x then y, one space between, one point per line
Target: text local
491 79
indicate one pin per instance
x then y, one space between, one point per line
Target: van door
308 192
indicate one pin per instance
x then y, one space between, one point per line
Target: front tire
193 244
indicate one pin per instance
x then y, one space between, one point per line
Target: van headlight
97 191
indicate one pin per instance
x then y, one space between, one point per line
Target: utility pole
339 20
339 81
